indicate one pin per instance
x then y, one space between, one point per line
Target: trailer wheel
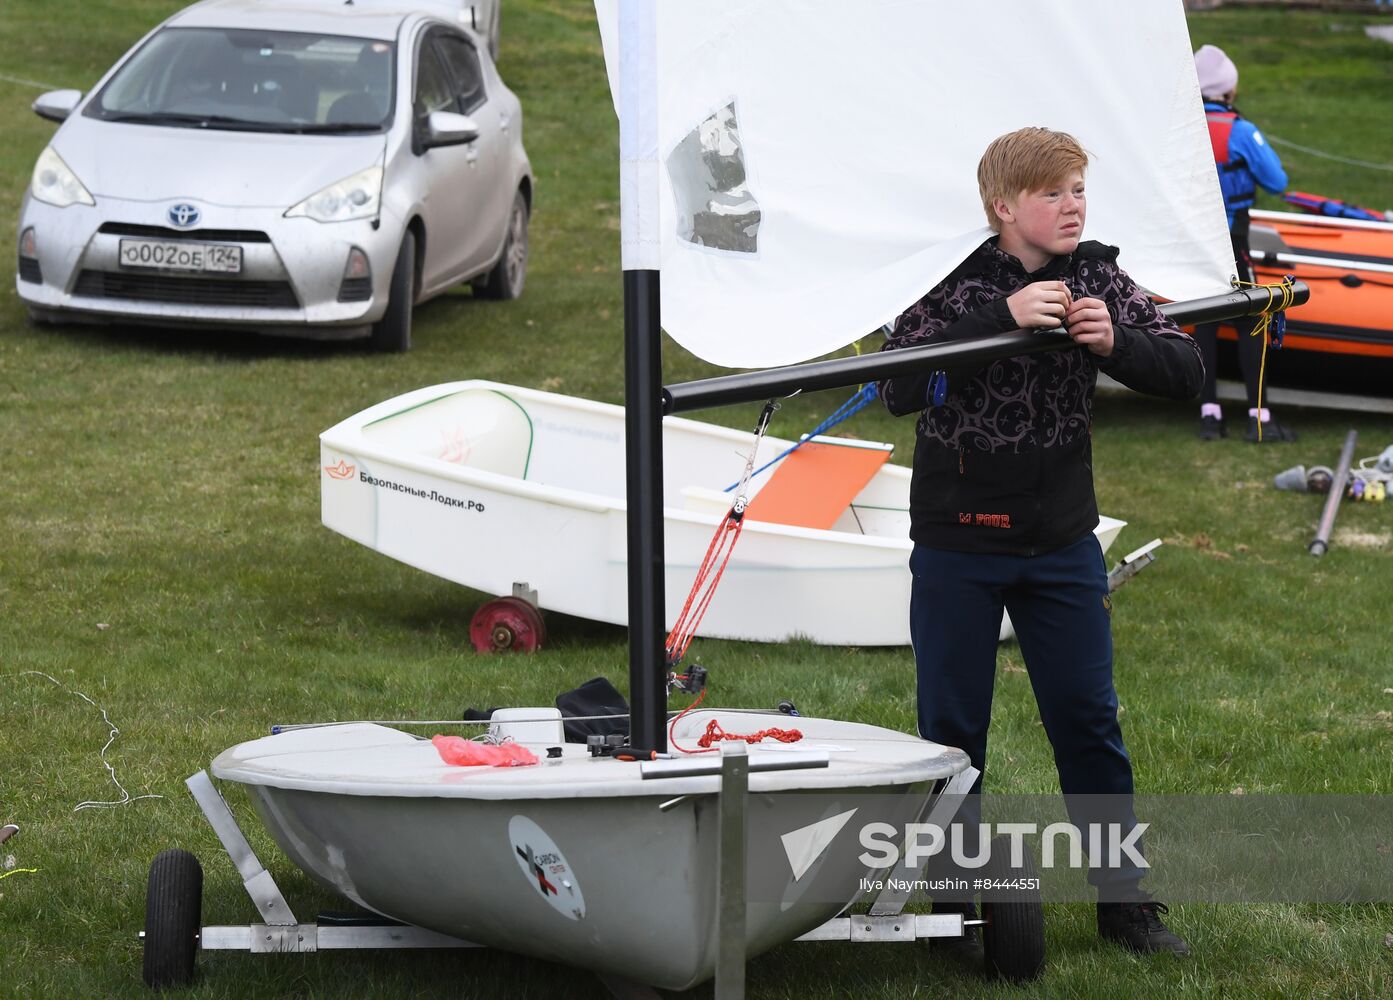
507 625
1013 935
173 916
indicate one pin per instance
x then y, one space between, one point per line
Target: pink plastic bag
466 753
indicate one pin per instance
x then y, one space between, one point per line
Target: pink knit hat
1218 75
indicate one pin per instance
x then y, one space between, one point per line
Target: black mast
643 453
643 374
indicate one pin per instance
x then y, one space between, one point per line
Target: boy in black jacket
1001 502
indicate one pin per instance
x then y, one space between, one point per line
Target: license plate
171 255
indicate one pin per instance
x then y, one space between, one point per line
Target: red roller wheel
507 625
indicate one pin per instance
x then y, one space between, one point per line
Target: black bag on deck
596 696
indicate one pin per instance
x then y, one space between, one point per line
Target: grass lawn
161 553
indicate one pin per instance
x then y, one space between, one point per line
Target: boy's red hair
1027 159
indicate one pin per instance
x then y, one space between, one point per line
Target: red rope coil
715 733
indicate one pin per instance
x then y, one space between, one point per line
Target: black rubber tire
392 333
508 276
1013 935
173 919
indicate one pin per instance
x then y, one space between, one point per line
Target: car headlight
56 184
356 197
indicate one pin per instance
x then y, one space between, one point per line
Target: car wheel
392 333
508 276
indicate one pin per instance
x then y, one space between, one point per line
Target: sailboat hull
621 886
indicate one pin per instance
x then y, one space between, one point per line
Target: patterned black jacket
1005 464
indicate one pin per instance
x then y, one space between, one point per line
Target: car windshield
248 80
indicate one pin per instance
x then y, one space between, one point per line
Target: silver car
313 169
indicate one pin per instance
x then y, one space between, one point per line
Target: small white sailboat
494 485
374 814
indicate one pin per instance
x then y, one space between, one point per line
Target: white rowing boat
492 485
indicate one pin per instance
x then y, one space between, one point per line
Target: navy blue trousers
1059 607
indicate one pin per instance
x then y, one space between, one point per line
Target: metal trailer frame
281 931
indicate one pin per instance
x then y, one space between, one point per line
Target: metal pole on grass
1321 543
730 865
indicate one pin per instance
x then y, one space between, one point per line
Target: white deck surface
372 760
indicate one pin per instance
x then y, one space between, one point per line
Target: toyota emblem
183 215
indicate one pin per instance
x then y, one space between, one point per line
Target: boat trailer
174 933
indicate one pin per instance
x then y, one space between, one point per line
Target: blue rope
859 401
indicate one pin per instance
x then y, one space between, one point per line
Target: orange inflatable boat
1349 265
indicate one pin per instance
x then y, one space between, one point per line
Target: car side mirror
56 105
445 128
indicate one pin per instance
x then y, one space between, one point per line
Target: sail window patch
715 208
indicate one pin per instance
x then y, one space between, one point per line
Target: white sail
816 161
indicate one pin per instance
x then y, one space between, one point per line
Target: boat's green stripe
531 431
417 406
